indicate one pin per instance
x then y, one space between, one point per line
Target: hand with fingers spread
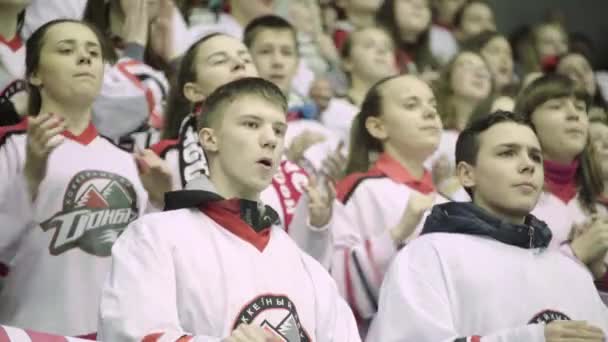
444 178
334 164
320 201
299 144
155 175
591 241
597 266
43 136
417 204
250 333
572 331
135 29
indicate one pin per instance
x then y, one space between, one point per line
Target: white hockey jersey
58 247
375 202
186 159
457 287
199 280
338 117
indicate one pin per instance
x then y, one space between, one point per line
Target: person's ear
376 127
208 140
193 92
466 174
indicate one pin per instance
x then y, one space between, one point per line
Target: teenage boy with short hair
481 271
216 268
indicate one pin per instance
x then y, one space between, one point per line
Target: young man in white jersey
216 267
482 271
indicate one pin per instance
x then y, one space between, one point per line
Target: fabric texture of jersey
58 247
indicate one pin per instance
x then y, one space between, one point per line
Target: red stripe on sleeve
42 337
475 338
152 337
3 334
350 292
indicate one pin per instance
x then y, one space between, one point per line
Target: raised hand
43 136
320 201
321 93
299 144
590 240
135 29
155 175
161 32
417 204
334 164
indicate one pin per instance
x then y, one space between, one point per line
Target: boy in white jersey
482 271
216 268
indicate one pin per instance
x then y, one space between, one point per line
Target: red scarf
560 179
229 214
287 183
388 167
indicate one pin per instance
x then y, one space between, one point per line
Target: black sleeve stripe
461 339
115 144
366 286
359 181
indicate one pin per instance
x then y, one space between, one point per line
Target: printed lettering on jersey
288 183
277 314
548 316
97 207
192 160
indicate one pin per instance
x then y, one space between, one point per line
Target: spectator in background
473 18
578 68
496 51
409 22
359 14
205 21
72 191
558 112
444 12
541 50
13 92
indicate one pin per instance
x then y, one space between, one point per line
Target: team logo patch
97 207
549 316
277 315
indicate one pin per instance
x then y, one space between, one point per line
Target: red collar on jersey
560 179
234 215
14 44
84 138
385 166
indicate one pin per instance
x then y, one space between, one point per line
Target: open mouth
266 162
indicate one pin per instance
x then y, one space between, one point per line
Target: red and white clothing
374 202
339 116
58 246
186 159
202 271
457 287
12 334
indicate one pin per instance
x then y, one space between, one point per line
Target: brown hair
229 92
362 143
178 106
420 50
555 86
33 46
443 90
530 58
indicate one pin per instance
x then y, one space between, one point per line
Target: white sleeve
335 320
139 297
414 305
16 208
359 262
316 242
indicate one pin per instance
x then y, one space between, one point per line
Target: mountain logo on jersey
97 207
277 314
548 316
